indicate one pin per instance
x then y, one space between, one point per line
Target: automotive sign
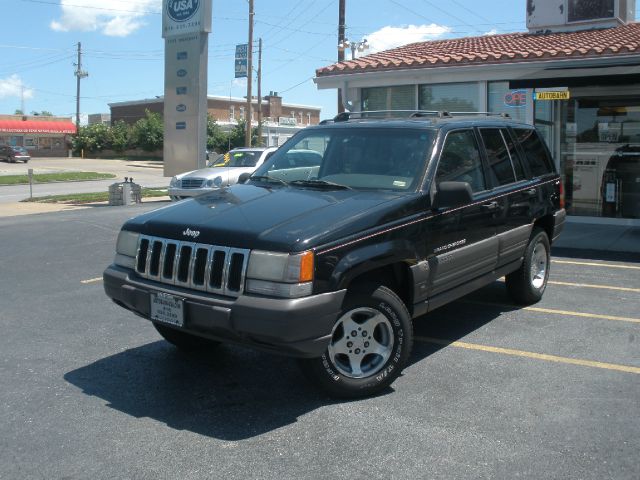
562 95
183 17
241 60
182 10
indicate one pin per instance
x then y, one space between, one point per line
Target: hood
279 218
212 172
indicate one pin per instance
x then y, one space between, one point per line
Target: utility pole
247 133
80 74
260 92
22 98
341 28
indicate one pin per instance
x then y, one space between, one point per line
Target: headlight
126 248
214 182
280 274
174 182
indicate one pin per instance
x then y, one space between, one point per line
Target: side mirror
452 194
243 177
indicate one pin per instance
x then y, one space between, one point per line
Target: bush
148 132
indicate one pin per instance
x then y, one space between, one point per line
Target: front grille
192 182
209 268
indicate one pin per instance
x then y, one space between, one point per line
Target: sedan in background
219 172
14 154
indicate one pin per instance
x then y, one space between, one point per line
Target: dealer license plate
167 308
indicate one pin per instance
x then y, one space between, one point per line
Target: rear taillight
561 194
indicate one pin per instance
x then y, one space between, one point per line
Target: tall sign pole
186 25
260 92
80 74
247 132
341 28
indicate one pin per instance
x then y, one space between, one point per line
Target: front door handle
532 192
490 206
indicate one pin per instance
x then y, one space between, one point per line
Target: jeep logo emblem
191 233
182 10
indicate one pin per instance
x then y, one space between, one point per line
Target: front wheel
527 284
370 345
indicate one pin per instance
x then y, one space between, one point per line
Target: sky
123 51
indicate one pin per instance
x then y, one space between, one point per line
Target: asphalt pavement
493 390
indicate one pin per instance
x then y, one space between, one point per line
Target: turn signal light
306 267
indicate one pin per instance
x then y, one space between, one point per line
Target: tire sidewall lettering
394 359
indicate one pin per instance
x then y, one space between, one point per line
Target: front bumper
298 327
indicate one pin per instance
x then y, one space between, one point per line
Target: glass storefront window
600 156
389 98
450 97
502 99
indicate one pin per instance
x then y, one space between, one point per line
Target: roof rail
346 116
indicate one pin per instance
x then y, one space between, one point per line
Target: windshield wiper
267 178
320 183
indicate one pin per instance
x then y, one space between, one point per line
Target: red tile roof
497 49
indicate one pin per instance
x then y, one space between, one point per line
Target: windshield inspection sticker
399 183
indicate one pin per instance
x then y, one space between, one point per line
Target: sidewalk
589 236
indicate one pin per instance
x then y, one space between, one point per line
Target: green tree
217 139
18 112
44 113
120 137
92 138
237 135
148 132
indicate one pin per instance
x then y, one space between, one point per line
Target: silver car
219 172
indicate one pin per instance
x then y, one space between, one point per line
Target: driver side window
460 161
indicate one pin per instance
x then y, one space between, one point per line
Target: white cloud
115 18
239 82
392 37
491 32
12 87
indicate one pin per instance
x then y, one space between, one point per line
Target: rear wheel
370 345
183 340
527 284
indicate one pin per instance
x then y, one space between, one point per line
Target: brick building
280 120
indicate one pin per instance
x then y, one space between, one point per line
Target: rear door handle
532 192
490 206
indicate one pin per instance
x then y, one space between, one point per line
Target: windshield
240 159
358 157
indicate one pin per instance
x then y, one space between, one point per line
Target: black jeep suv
329 258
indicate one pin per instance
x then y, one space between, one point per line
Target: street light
353 46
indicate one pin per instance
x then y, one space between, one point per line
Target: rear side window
501 154
534 150
460 161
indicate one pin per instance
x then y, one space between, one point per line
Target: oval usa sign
182 10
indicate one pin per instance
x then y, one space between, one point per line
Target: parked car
220 171
13 154
332 261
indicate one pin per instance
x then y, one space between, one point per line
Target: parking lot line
534 355
587 285
593 264
91 280
568 313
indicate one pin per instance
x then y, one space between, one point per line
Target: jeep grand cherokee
331 260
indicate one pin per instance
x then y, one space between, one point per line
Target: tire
380 321
184 341
527 284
